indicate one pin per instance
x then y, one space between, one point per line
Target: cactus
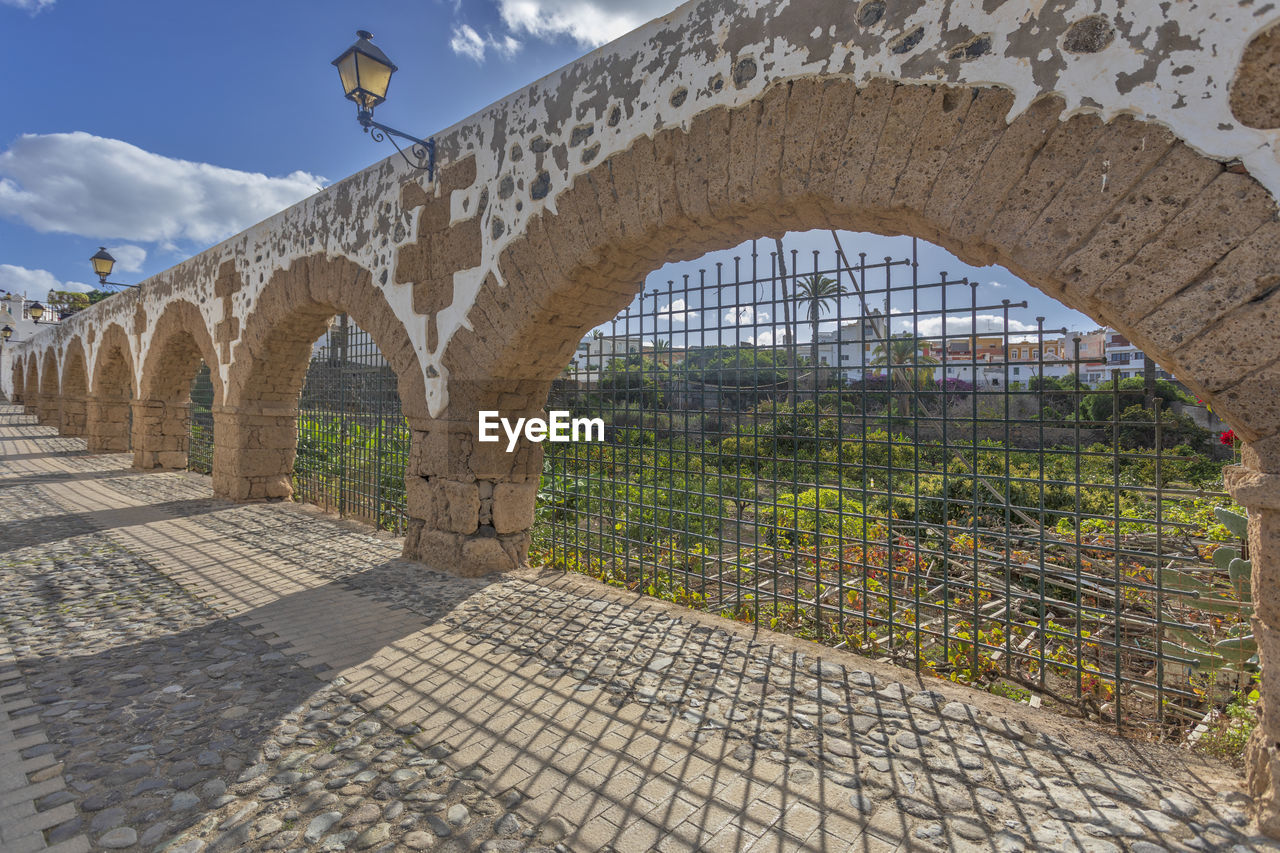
1238 652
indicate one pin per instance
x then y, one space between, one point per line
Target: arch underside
74 393
179 343
109 414
256 430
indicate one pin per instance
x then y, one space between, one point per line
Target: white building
1123 357
852 346
595 353
13 313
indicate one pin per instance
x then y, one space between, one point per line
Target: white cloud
467 42
677 312
745 315
768 337
79 183
128 258
961 325
36 284
996 284
32 6
589 22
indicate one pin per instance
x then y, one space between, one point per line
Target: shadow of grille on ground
511 713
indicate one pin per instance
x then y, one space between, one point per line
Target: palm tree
902 355
819 291
662 351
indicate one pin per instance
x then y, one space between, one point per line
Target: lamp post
35 311
103 263
366 72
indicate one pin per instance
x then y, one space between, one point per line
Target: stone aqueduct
1118 157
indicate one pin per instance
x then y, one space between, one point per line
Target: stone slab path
179 673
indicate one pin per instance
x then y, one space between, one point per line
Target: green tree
636 379
1100 406
909 368
64 302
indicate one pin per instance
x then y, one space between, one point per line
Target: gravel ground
179 730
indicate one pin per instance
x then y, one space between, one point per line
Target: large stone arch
31 387
112 392
75 390
180 340
48 406
1175 252
255 430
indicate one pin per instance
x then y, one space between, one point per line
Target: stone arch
180 340
75 390
31 387
109 414
48 407
1120 220
256 429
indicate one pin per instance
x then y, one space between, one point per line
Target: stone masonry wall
1120 156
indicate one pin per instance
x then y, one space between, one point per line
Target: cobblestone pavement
178 673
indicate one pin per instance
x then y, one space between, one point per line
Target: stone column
1259 492
161 433
253 451
73 415
107 425
471 503
48 411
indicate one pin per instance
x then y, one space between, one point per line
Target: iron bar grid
353 440
825 446
200 416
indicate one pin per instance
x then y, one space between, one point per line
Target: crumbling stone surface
1255 91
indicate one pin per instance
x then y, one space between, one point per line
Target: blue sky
160 128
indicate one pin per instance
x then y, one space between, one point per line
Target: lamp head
365 72
102 263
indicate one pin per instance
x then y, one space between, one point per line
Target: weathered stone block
1230 209
513 506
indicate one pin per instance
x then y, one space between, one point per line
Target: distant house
851 346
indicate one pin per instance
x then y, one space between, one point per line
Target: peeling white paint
689 48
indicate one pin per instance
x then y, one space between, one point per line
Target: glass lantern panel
347 71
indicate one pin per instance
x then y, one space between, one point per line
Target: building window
1017 370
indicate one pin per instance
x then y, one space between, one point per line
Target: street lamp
6 333
102 264
366 73
35 311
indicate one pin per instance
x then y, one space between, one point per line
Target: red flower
1228 437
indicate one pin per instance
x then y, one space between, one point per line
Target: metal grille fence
838 449
200 414
353 441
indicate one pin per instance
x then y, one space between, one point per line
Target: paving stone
119 838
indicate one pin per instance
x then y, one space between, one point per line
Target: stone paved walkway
179 673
